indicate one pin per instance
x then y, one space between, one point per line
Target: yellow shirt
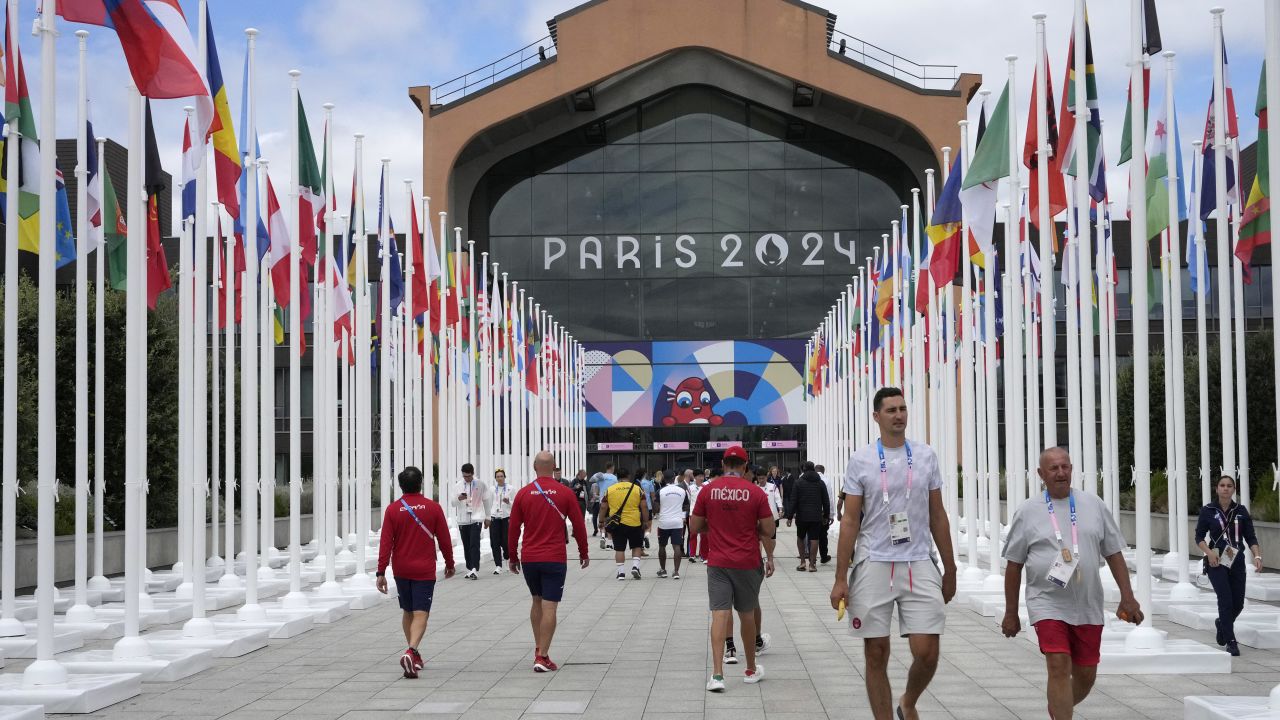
631 508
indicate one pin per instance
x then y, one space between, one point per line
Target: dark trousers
498 541
1228 585
470 534
595 518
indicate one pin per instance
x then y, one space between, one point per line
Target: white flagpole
1144 637
80 611
1084 228
45 670
1222 236
251 611
1178 510
186 280
428 394
968 416
132 645
10 626
265 519
1048 325
484 411
363 485
229 577
472 415
411 436
1242 403
99 580
385 337
295 598
1011 289
199 624
327 447
1272 55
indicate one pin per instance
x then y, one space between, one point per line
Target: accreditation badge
1061 572
899 529
1228 557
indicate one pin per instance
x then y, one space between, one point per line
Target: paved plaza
639 649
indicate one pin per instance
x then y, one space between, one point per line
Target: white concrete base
364 599
24 646
323 612
1171 573
1202 617
280 624
272 588
28 602
1266 588
1220 707
98 629
228 642
146 618
79 694
163 665
1179 657
21 712
341 568
165 610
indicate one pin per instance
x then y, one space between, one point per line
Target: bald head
544 463
1055 471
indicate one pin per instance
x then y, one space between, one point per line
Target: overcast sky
363 55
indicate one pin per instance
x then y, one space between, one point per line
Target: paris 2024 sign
695 383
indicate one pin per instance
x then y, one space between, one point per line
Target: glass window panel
512 206
585 204
621 202
729 155
549 198
768 303
839 198
589 161
657 157
804 199
693 156
714 308
661 299
765 124
694 212
658 202
730 202
761 155
878 205
768 194
695 127
622 158
623 127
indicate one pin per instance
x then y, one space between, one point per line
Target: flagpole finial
1010 58
82 34
1217 11
1169 54
359 136
1039 17
188 109
295 73
385 161
328 106
251 32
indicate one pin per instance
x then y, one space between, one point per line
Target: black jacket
808 500
1210 526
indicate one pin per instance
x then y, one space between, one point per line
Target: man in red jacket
410 527
541 508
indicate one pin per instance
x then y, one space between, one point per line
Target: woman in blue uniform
1221 533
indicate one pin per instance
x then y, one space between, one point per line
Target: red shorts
1082 642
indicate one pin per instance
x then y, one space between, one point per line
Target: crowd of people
893 554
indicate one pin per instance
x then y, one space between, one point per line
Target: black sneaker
622 576
635 573
826 559
661 573
1233 648
1221 640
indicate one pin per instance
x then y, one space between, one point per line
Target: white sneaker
730 656
497 571
675 576
715 684
763 644
754 676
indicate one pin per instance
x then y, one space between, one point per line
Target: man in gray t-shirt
1061 538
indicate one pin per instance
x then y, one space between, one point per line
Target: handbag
615 518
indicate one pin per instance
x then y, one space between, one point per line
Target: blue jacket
1220 528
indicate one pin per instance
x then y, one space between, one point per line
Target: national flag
990 162
64 228
1197 250
351 234
227 166
114 235
885 288
387 244
1093 130
1255 223
310 189
421 281
281 248
189 165
17 102
945 228
158 279
157 46
1030 150
94 201
1151 46
1208 181
1157 190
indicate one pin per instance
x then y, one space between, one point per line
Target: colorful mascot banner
711 383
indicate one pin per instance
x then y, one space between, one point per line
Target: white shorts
915 587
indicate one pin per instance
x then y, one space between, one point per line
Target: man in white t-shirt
673 511
894 516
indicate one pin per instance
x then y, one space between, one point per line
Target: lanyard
1233 518
550 502
414 515
884 470
1057 531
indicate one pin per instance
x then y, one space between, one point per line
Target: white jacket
478 505
500 509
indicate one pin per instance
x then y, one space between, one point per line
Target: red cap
737 451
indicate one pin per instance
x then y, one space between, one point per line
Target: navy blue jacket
1211 522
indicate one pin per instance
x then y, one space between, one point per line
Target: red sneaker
543 663
417 658
409 665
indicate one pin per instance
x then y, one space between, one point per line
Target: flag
991 159
263 237
351 235
885 288
157 46
421 281
158 279
310 189
1255 223
64 229
1031 157
114 236
280 248
94 203
226 153
1157 191
1208 182
945 228
189 165
1151 46
17 106
1094 158
387 244
922 280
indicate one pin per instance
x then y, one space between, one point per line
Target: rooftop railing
929 77
532 54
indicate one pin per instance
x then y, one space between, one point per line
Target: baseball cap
735 452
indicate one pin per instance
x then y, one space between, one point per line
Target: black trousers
470 534
1228 585
498 541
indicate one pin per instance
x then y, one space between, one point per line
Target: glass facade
692 215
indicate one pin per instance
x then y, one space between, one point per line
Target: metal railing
929 77
532 54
